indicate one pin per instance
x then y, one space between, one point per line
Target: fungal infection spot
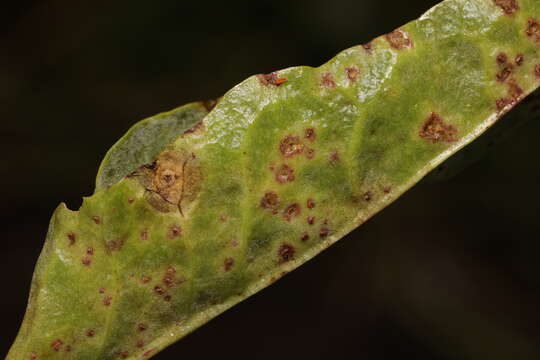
286 253
145 279
502 58
533 29
90 332
311 220
387 189
399 39
174 231
90 251
228 264
57 344
290 146
114 245
367 196
140 344
352 73
327 80
310 153
144 235
270 200
131 200
97 219
505 72
167 298
86 261
310 203
305 237
142 326
508 6
271 79
102 290
71 237
310 134
284 174
324 232
435 130
107 300
291 212
519 59
159 290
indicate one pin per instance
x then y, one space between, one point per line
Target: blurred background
449 271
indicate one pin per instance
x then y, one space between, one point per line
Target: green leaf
285 165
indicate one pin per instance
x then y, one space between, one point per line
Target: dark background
449 271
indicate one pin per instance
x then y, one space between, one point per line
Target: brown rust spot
159 290
311 220
284 174
387 189
533 29
514 90
270 200
131 200
399 39
327 80
310 153
310 203
324 232
367 196
86 261
149 352
519 59
144 235
271 79
145 279
228 264
502 58
107 300
537 71
310 134
508 6
140 343
57 344
504 73
174 231
167 298
142 327
114 245
102 290
305 237
97 219
352 73
71 237
90 251
90 332
290 146
286 253
33 356
434 129
291 211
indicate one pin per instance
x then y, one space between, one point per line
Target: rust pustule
271 79
270 200
352 73
537 71
159 290
508 6
228 264
167 298
368 47
144 235
71 237
286 253
367 196
327 80
102 290
140 343
142 326
145 279
502 58
174 231
131 200
97 219
310 203
57 344
124 354
310 153
311 220
519 59
324 232
310 134
387 189
90 332
504 73
305 237
435 130
86 261
114 245
90 251
291 211
33 356
399 39
284 174
107 300
290 146
533 29
514 90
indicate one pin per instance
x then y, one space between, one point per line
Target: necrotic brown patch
159 290
327 80
533 29
114 245
504 73
286 253
228 264
399 39
290 146
352 73
174 231
508 6
435 130
271 79
367 196
284 174
145 279
310 134
269 200
90 251
291 212
144 235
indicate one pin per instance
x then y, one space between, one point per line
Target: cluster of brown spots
270 200
284 174
169 279
142 326
71 237
271 79
311 220
291 211
290 146
505 67
323 232
367 196
434 129
305 237
90 332
514 95
57 344
327 80
228 264
352 73
286 253
533 29
114 245
399 39
145 279
508 6
519 59
107 300
310 203
97 219
144 235
310 134
174 231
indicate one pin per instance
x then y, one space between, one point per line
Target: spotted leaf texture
282 167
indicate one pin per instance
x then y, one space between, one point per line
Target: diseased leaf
285 165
